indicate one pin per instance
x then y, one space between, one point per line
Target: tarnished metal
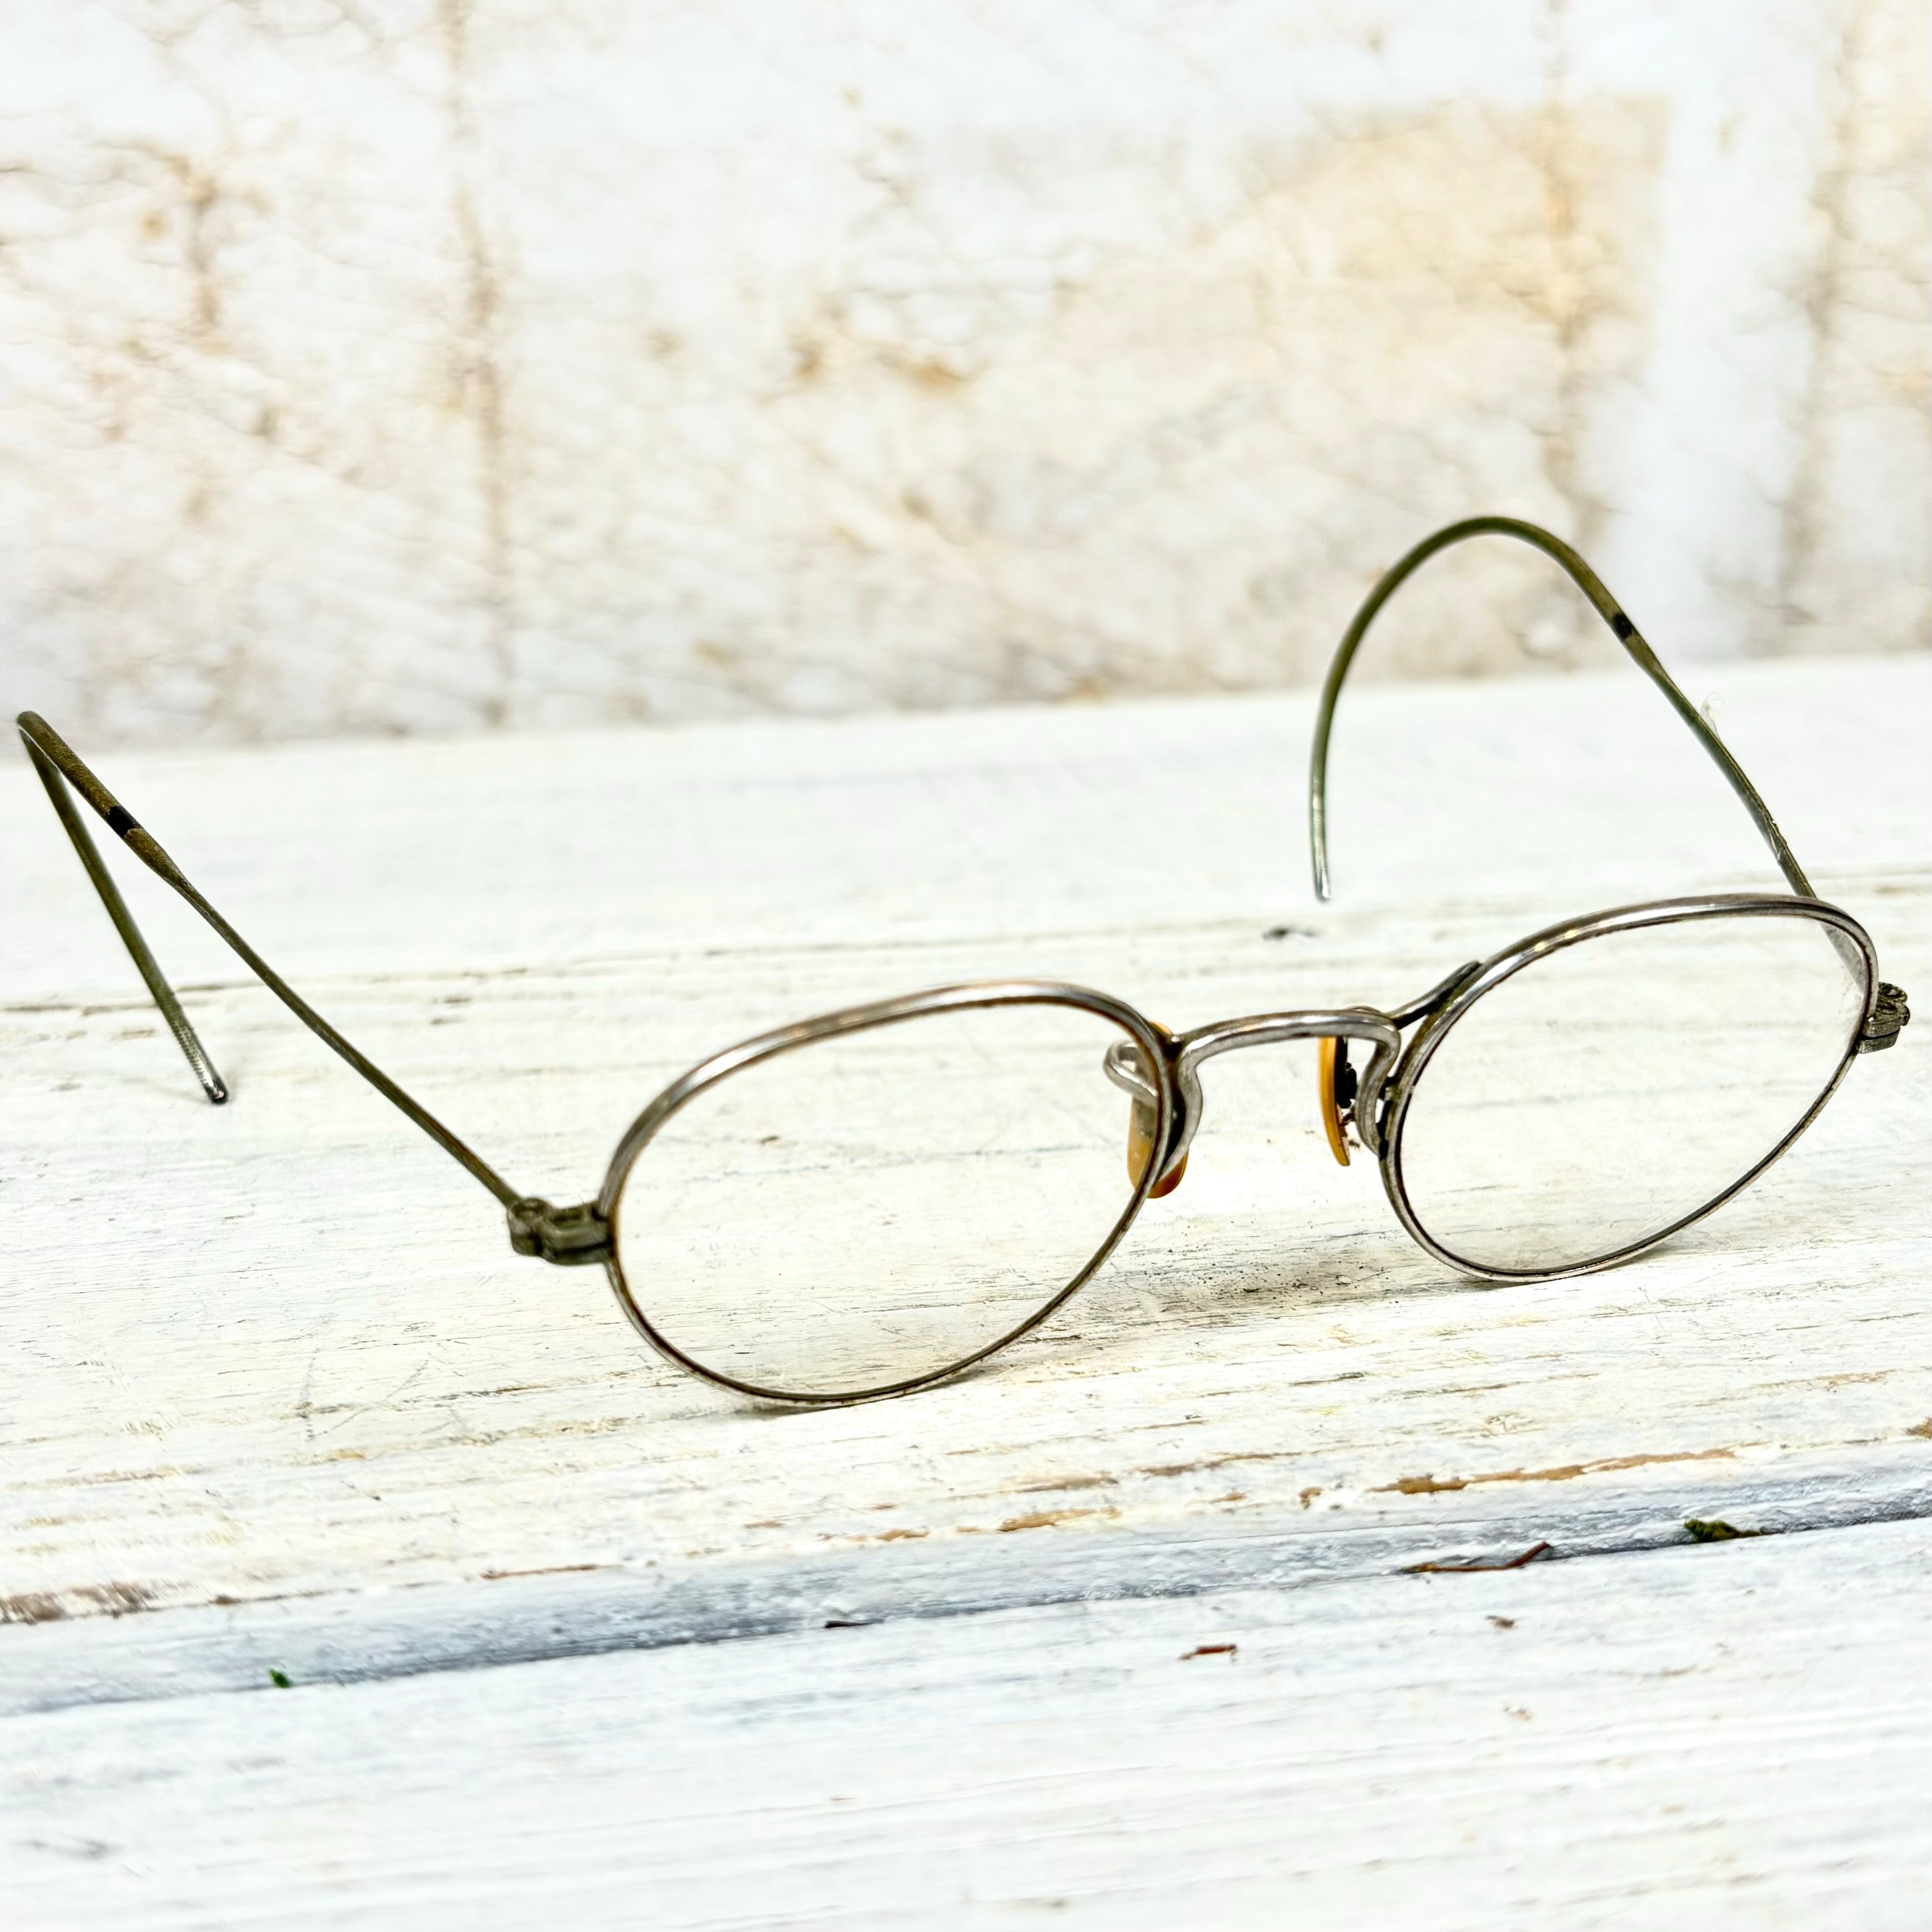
571 1236
1620 627
1156 1048
54 778
1160 1071
1889 1017
55 761
1362 1023
1394 1101
1437 996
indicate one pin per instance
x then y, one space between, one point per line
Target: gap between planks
141 1655
1726 1738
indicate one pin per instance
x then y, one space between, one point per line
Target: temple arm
59 768
1587 581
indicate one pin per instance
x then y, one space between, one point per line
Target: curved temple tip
1615 619
1317 808
186 1038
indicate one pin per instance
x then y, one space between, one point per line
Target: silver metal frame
1616 620
1159 1070
1158 1046
1173 1091
1505 965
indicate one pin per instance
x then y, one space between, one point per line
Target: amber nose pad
1124 1068
1140 1126
1335 1093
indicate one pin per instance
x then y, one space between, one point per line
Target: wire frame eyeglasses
866 1202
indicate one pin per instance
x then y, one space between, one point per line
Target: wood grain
1731 1737
280 1353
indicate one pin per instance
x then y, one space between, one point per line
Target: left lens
856 1212
1616 1087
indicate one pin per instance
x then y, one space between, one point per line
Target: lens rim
1506 964
1157 1049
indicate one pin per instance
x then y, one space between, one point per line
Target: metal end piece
1890 1017
569 1236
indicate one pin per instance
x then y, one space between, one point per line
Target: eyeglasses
863 1204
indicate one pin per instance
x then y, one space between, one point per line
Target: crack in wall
480 368
1800 521
407 400
1567 296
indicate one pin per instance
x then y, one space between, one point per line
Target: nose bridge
1191 1049
1270 1029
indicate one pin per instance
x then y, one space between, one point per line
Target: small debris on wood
845 1623
1503 1623
1714 1530
1529 1555
1210 1650
1291 932
1046 1518
280 1679
1921 1428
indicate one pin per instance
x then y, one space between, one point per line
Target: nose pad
1123 1066
1140 1126
1334 1092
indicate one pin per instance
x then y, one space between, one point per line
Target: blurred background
392 366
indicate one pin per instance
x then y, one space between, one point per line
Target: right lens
1613 1089
872 1207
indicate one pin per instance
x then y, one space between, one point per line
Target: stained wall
399 367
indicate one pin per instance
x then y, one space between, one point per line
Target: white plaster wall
383 365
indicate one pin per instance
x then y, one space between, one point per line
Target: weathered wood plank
1729 1737
352 1637
281 1350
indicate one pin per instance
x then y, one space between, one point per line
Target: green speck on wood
1714 1531
279 1678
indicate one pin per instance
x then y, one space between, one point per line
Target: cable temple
121 822
60 768
1620 627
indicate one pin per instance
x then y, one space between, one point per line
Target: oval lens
874 1208
1609 1091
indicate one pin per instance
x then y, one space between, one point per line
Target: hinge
1890 1016
570 1237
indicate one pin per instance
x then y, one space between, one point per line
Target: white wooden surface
1735 1736
277 1395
